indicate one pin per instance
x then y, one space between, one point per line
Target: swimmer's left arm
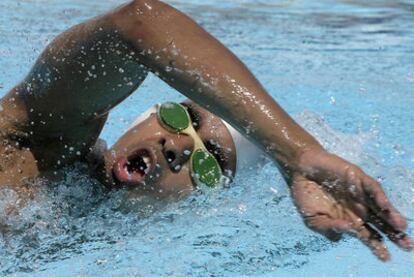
195 63
333 195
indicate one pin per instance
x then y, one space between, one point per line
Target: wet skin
53 118
149 159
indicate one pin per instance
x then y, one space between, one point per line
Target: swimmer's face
149 158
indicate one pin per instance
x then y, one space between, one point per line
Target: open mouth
134 168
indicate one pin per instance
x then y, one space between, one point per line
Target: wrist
307 159
301 160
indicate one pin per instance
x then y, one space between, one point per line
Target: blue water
343 69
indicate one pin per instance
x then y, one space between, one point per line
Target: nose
177 150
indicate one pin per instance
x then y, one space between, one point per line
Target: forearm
199 66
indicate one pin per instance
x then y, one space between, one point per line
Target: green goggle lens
206 168
174 116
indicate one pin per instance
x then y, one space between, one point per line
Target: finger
373 240
367 235
381 206
398 237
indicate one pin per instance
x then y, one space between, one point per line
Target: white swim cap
143 116
246 152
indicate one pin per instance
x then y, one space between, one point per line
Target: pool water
343 69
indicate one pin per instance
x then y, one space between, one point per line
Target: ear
95 157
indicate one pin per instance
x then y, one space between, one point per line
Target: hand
336 197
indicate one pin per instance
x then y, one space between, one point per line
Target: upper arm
82 74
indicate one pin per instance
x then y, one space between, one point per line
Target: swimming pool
344 69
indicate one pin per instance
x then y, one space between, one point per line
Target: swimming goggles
204 167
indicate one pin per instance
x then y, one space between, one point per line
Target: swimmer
54 116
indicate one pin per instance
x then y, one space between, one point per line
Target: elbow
144 23
145 8
137 18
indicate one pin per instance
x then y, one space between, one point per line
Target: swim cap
143 116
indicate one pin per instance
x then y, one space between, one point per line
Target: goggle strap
198 143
